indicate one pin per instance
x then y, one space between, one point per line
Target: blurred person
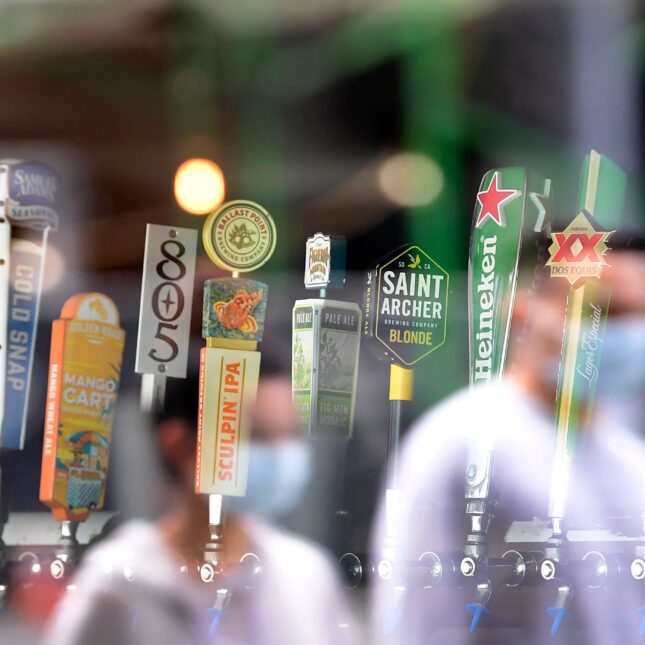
518 414
297 597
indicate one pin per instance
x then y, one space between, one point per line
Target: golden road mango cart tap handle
239 237
84 374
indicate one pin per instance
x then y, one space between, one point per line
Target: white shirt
430 516
297 599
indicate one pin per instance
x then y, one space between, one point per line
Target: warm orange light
199 186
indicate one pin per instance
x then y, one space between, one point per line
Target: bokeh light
199 186
410 179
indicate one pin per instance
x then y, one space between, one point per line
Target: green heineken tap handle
509 208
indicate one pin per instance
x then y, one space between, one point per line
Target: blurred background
371 119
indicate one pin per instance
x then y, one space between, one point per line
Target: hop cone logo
240 237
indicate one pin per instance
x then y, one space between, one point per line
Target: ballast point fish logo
579 251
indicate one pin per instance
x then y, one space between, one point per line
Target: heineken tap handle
495 246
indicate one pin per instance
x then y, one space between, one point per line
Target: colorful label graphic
84 372
406 306
26 267
234 308
326 341
228 384
239 236
578 251
492 272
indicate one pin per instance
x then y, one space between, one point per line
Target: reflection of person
296 598
517 413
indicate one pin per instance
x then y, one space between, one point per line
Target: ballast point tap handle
84 373
238 237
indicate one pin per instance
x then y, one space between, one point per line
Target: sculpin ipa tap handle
84 373
240 236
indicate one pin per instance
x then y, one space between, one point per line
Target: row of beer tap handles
511 208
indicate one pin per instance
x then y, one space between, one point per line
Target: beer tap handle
641 612
215 615
478 607
478 610
559 611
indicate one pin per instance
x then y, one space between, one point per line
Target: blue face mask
622 369
279 472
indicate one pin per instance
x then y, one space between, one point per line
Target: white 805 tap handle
166 299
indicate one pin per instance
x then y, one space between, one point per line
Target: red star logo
492 199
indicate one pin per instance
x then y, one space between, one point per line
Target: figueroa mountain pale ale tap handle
84 372
326 344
